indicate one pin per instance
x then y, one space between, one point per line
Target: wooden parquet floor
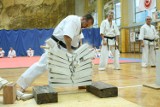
129 80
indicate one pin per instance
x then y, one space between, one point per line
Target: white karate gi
70 26
30 53
109 31
81 36
2 53
12 53
148 52
97 53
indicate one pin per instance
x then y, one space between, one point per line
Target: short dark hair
89 17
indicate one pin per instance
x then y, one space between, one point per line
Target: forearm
102 35
68 40
141 41
117 38
14 54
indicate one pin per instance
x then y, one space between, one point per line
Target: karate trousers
148 54
105 54
33 72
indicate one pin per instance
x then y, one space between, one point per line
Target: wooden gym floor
129 81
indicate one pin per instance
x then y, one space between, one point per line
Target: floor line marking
131 86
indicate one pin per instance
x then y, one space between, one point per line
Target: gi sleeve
155 33
32 52
102 27
142 33
14 53
9 54
81 36
70 29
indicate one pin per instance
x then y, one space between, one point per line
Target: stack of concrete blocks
67 69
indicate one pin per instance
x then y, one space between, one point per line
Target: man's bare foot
22 96
19 88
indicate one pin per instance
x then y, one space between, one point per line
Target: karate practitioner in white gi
109 33
66 33
11 53
147 36
30 52
1 53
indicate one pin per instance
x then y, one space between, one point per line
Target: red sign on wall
147 3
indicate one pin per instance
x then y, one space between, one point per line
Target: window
95 16
117 13
141 15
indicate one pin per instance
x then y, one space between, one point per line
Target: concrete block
102 90
45 94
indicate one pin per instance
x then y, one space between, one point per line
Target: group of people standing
110 33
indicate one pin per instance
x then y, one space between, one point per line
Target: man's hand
68 41
44 47
104 42
142 44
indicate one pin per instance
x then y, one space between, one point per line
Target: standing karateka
66 37
109 33
147 36
11 53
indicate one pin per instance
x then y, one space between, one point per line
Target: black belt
61 43
107 37
150 40
110 37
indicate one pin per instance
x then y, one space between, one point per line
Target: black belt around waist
112 39
61 43
109 37
150 40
